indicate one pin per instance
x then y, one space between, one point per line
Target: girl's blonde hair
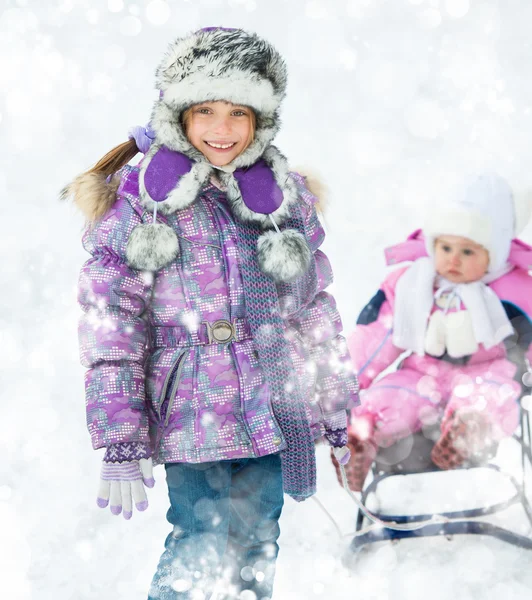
115 159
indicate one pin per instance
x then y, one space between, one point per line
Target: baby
457 310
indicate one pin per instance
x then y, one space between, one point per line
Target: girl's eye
468 252
446 248
203 111
239 113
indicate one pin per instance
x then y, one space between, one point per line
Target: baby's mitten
435 334
459 334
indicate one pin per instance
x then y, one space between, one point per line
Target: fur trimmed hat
219 64
238 67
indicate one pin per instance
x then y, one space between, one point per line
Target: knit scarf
414 298
268 330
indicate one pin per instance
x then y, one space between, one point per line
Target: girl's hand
338 441
123 483
342 455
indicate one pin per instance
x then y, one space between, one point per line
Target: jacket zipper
173 392
171 372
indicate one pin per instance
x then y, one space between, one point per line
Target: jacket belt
221 331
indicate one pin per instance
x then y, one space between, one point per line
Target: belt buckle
221 331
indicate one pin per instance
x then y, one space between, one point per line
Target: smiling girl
457 311
211 344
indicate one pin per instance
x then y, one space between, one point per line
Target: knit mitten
466 439
126 469
362 455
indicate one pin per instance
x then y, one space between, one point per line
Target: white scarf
415 296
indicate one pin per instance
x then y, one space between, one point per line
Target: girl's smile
221 145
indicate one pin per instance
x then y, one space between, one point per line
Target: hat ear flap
171 179
168 180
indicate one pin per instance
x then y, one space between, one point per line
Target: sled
410 458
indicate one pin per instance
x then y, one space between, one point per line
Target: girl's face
219 130
459 259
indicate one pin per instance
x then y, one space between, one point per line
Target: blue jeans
225 516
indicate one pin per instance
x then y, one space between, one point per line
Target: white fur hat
482 210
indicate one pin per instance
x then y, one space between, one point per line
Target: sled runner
410 458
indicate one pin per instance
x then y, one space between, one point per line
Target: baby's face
459 259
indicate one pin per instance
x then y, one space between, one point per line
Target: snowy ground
464 568
390 100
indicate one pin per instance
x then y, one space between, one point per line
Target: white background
389 100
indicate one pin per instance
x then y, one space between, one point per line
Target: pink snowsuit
426 388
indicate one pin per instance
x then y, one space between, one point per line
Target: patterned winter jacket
159 369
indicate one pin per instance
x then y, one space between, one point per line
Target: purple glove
337 439
123 482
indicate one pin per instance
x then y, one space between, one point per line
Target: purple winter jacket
156 373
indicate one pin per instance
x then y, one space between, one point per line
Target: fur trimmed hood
93 194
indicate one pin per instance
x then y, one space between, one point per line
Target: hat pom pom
283 255
151 246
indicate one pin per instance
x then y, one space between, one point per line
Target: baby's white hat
481 209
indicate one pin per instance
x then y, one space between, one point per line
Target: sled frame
461 522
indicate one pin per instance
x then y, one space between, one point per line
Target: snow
391 102
464 567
